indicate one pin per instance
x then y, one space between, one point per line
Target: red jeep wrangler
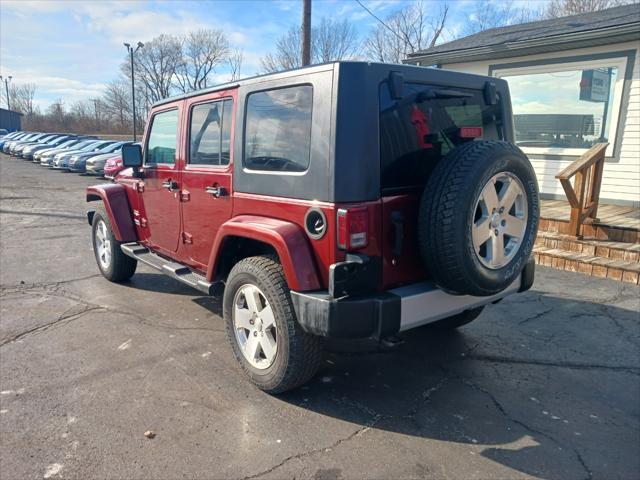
342 200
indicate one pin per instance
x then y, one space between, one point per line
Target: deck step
629 252
173 269
595 231
590 264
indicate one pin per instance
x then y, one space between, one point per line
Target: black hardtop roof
354 67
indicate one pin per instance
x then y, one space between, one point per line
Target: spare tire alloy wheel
479 218
255 327
500 220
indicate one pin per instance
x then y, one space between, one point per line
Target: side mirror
131 155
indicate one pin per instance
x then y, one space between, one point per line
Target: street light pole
6 88
131 51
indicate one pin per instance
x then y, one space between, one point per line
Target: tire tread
305 350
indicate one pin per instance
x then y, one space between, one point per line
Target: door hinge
187 238
140 186
185 195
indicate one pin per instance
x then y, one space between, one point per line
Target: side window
278 129
161 147
211 133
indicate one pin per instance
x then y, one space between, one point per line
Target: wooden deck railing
584 194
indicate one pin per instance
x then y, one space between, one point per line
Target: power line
380 20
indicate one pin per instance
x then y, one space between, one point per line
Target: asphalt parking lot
543 385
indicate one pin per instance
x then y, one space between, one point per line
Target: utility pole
6 88
306 32
131 51
95 110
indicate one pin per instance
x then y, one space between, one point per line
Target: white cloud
68 89
121 25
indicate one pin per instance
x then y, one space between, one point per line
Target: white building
574 81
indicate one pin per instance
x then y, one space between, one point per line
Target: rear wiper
441 93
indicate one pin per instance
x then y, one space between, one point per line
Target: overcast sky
69 49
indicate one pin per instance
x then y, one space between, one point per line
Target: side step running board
172 269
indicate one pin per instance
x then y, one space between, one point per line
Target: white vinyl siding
621 181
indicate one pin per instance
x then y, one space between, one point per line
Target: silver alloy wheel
103 245
255 326
500 220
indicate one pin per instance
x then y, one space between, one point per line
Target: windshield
115 147
68 143
60 141
82 144
91 146
106 148
428 122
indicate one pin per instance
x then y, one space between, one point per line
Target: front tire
267 341
114 265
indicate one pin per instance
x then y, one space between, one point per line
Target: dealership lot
545 384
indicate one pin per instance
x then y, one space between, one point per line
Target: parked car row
67 152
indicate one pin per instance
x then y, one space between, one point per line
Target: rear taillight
471 132
353 228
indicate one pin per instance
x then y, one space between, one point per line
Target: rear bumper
390 312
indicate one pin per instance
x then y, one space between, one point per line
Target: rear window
278 129
426 124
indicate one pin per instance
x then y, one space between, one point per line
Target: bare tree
57 112
287 53
334 40
24 98
331 40
202 52
415 27
117 102
155 65
235 64
562 8
488 14
21 98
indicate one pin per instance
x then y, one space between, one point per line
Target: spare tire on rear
478 218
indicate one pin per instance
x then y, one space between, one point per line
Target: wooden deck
618 216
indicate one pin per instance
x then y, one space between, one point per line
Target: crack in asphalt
52 214
61 318
55 289
542 363
503 411
376 418
21 287
313 451
536 316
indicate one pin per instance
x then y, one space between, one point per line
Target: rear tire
114 265
457 321
266 338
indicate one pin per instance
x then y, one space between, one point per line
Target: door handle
170 185
216 190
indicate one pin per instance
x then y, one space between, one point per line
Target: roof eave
605 36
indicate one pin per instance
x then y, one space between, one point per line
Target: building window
566 108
